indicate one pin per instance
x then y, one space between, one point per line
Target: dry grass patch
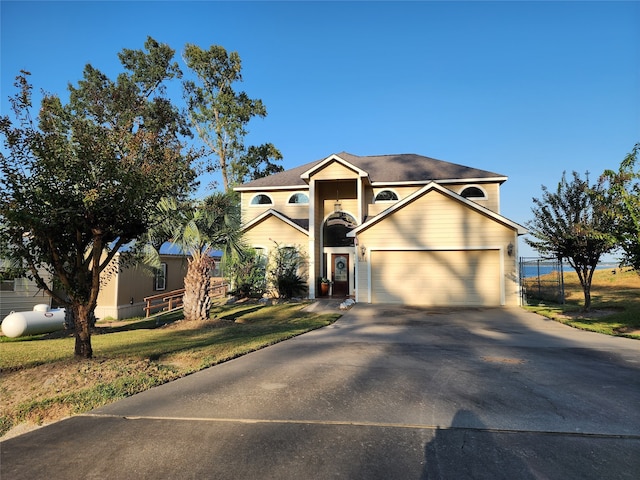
41 382
615 303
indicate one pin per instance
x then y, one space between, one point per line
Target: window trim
484 192
289 202
8 285
375 197
251 204
160 274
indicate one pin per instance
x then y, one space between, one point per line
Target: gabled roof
333 158
278 215
445 191
406 168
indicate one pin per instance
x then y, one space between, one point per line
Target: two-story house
391 228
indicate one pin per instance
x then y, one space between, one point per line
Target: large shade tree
623 188
81 179
256 162
221 115
572 223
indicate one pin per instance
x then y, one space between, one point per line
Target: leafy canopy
221 115
624 192
572 223
84 178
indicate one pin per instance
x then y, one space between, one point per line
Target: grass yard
41 382
615 303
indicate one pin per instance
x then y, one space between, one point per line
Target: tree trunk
196 300
587 299
82 326
585 275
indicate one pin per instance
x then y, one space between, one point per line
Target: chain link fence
541 279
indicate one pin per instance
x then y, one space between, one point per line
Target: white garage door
442 278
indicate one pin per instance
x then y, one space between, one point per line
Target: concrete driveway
384 393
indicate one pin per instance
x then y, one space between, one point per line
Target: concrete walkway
384 393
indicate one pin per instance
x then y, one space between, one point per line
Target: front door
340 274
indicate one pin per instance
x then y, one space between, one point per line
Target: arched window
386 196
299 199
473 193
336 227
261 199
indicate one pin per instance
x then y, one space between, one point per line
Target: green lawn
41 381
615 303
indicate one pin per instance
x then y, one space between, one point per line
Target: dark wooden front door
340 274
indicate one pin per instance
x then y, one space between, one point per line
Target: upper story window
386 196
299 199
261 199
473 193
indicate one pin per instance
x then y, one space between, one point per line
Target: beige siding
437 278
334 171
281 203
401 191
108 290
437 222
374 208
491 189
122 295
272 229
293 210
347 205
492 192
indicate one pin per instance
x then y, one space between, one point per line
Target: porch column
312 239
361 199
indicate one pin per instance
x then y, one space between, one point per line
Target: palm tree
197 229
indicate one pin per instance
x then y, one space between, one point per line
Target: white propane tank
41 320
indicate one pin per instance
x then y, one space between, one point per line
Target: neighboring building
401 229
122 292
20 295
122 295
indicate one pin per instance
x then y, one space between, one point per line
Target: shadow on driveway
385 392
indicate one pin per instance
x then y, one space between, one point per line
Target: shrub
247 274
287 266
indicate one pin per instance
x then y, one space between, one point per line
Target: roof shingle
405 167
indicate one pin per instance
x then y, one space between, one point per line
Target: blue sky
524 89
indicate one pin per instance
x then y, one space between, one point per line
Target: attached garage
436 277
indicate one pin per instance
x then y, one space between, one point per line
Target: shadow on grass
156 344
233 316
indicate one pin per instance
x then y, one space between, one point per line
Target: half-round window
386 196
336 227
473 193
299 199
261 199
